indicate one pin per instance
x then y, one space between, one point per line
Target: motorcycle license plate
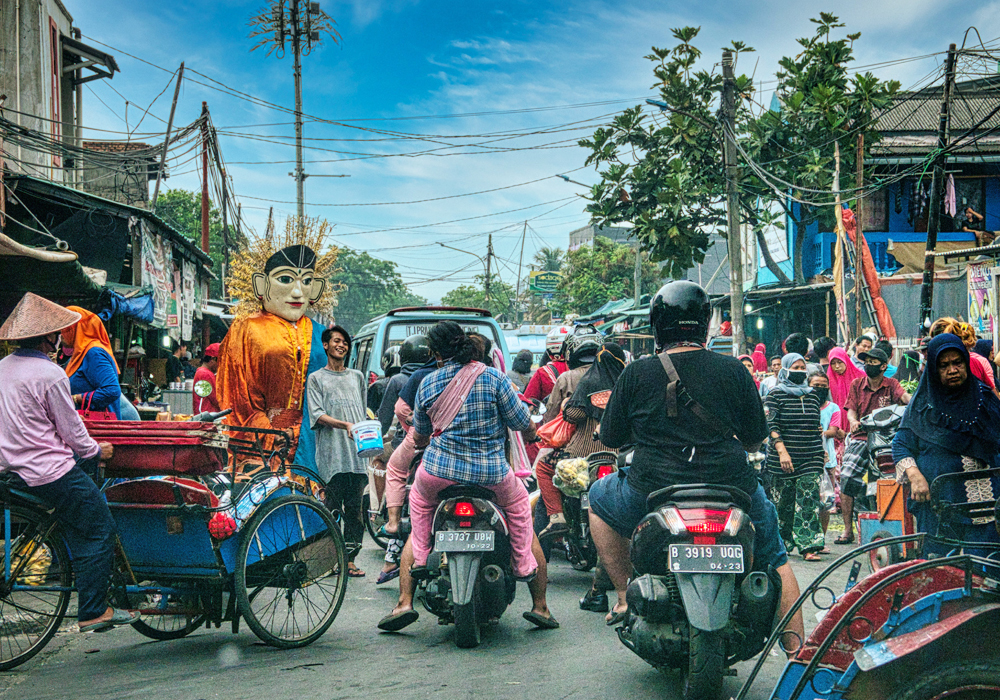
464 541
584 500
706 558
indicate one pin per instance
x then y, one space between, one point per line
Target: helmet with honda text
415 350
555 342
391 362
680 312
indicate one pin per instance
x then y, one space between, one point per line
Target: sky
476 96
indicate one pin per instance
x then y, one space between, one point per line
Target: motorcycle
695 604
880 428
468 579
576 539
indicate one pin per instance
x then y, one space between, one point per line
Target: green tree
474 296
595 274
370 287
182 210
549 259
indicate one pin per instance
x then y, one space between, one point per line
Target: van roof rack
450 309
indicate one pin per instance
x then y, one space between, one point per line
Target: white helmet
555 341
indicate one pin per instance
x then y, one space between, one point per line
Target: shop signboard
544 281
157 272
981 310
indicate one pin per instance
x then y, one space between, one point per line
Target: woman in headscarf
841 373
92 369
984 348
795 457
748 363
979 366
520 373
951 425
759 358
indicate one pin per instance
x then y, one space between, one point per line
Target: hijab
522 363
759 358
785 383
592 393
964 420
747 357
88 333
840 384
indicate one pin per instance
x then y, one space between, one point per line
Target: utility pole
204 177
489 254
637 274
937 194
304 23
166 139
859 207
732 202
520 261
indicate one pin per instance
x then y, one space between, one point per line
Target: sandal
616 617
845 540
812 556
355 572
386 576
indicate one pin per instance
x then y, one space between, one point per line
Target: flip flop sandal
540 621
844 540
394 623
812 556
386 576
119 618
616 618
355 572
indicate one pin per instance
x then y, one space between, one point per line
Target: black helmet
582 347
415 349
680 311
390 361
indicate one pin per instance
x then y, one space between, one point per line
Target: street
583 659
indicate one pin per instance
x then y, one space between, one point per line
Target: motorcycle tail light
604 470
464 509
701 521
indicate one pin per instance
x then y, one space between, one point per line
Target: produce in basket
572 476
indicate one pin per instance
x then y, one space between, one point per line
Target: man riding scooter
719 418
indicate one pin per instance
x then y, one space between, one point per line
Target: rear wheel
706 666
466 626
291 571
29 618
957 681
881 557
374 520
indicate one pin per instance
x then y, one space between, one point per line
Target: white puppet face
288 291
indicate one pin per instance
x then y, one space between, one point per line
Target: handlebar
208 417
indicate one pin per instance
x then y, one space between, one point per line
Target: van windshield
400 331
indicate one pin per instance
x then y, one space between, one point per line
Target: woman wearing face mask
795 457
841 372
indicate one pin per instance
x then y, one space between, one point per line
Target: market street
583 659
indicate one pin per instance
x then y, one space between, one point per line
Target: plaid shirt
471 449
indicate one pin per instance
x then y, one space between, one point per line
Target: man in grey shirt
337 400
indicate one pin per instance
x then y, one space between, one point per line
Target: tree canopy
594 274
369 287
474 296
182 210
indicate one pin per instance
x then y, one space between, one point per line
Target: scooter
695 603
468 579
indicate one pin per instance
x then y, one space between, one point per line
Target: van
392 328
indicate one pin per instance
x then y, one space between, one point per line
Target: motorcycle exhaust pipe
758 599
494 590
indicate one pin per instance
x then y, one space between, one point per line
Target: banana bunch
572 476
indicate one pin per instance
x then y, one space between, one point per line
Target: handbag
87 413
557 432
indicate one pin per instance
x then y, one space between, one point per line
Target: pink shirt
981 369
40 430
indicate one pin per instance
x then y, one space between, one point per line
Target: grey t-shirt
341 395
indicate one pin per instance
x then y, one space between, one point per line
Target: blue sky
410 66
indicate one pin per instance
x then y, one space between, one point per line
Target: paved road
583 659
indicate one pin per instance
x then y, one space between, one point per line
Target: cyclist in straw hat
44 445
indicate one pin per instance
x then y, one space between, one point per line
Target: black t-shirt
174 369
685 449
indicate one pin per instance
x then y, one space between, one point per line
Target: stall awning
56 275
964 254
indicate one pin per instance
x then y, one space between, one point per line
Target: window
362 352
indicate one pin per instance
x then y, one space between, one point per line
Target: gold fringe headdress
251 260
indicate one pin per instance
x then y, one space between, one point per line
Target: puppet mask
288 286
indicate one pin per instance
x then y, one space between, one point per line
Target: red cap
212 350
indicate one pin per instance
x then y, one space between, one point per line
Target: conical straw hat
34 316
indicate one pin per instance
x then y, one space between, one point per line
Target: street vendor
46 448
266 357
204 396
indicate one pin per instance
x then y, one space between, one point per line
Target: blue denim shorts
623 508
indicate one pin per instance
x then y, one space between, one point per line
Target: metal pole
166 139
732 202
299 174
204 178
520 261
489 254
937 193
858 230
637 275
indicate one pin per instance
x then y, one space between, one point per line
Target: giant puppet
267 355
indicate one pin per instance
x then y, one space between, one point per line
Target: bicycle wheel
29 618
374 520
291 571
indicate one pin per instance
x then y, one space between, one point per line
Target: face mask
797 376
873 370
822 392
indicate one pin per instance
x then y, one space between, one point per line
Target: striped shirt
796 420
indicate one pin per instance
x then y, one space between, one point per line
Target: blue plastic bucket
367 436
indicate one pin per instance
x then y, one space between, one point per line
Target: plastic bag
827 494
572 476
557 432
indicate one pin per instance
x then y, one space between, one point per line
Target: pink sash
449 402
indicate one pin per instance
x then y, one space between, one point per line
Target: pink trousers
397 470
512 498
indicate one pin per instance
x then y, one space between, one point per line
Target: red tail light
372 378
705 522
464 509
604 470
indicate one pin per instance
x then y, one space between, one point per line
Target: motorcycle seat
707 494
466 491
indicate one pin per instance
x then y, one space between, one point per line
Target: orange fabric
262 373
89 332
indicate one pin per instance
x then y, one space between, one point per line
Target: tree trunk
800 237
